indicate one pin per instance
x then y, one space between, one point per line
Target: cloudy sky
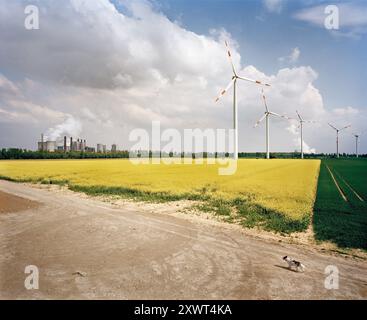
97 69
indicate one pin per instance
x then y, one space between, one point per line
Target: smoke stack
64 143
71 143
42 141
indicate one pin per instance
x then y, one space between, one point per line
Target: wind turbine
301 122
266 116
233 83
337 136
357 138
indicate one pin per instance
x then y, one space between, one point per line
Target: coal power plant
69 144
66 145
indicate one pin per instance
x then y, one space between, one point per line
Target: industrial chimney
64 143
42 142
71 143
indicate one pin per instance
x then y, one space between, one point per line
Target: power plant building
101 148
90 149
78 145
50 146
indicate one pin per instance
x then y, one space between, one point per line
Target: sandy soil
11 203
186 209
90 249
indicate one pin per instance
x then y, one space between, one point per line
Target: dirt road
88 249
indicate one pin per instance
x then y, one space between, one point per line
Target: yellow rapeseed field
287 186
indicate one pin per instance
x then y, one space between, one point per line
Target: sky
99 69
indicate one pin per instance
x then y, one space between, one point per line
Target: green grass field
340 216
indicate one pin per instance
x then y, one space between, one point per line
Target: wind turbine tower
357 141
266 116
357 137
233 83
337 136
301 122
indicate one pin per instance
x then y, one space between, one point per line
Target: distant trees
14 153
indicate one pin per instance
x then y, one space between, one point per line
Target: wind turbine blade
223 92
310 121
346 127
276 114
299 116
259 121
332 126
286 117
230 58
264 99
254 81
280 116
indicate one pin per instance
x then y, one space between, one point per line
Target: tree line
14 153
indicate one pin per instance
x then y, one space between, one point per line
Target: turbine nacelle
337 130
301 120
268 112
341 129
266 116
236 76
357 135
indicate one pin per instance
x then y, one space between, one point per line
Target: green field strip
337 185
353 203
328 198
354 172
349 186
336 220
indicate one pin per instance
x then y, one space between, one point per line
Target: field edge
238 211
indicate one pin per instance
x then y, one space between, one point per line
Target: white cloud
345 111
116 72
13 117
273 5
294 129
7 87
352 18
307 148
18 107
292 58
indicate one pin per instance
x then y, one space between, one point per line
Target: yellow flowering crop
287 186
